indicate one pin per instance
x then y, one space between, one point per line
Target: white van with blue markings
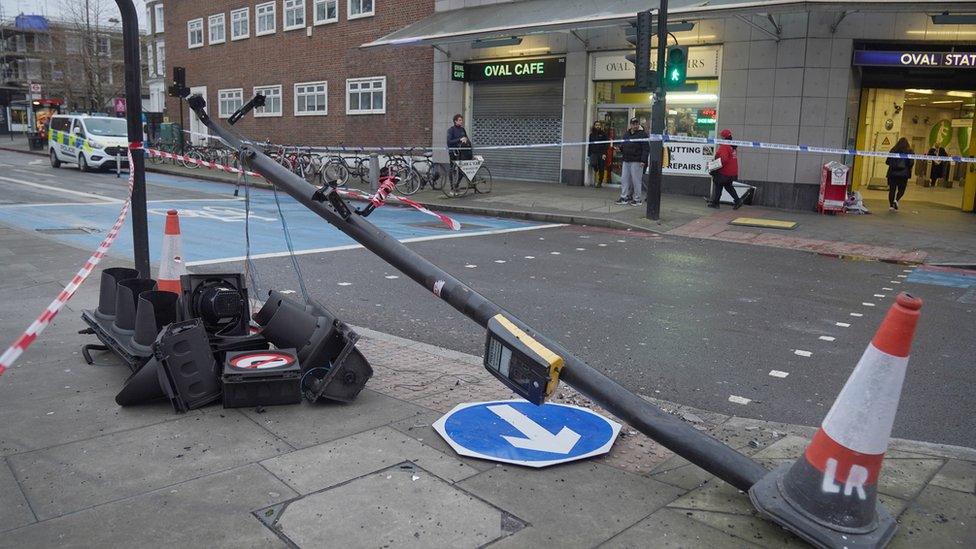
90 142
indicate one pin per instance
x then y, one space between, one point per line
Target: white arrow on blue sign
519 432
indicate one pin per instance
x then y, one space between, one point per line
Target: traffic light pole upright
658 117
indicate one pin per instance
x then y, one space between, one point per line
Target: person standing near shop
458 144
596 150
633 154
723 177
899 170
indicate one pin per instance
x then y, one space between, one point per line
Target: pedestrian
726 174
899 170
634 151
596 150
458 144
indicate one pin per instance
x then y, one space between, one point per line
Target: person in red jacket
723 177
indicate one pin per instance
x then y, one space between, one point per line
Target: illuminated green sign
518 70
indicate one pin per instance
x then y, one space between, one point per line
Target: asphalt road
696 322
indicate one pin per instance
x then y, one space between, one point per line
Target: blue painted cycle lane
213 229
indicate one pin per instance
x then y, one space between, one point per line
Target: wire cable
291 247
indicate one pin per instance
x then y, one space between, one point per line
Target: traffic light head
639 34
677 68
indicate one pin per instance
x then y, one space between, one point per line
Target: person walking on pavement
899 170
458 144
634 151
596 150
723 177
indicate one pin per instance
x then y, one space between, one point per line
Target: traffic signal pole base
771 499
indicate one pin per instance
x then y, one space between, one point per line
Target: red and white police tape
347 193
30 334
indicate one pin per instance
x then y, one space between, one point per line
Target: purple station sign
933 59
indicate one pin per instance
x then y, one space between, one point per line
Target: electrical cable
291 246
250 269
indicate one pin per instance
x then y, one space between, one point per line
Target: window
57 74
42 42
264 19
104 45
158 9
366 95
272 101
73 44
161 58
194 33
20 43
326 11
240 24
311 98
60 124
360 8
294 16
228 101
218 29
34 69
150 61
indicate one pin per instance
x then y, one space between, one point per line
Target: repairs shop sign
688 158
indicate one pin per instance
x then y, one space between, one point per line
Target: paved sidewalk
920 232
79 471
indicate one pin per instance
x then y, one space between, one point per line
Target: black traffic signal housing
677 67
639 34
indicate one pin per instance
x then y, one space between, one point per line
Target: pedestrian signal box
677 66
522 363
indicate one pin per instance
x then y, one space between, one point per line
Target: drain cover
69 230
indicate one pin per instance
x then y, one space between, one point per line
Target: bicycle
459 182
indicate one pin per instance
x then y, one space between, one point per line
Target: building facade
304 56
536 72
77 62
154 46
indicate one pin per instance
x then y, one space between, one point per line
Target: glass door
615 123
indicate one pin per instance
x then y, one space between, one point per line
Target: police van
90 142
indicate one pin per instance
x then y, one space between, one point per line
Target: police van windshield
110 127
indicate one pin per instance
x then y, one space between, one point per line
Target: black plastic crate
262 378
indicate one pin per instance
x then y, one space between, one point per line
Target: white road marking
356 246
879 295
239 199
34 205
899 276
907 270
895 281
857 314
602 245
553 253
621 241
530 257
104 199
739 400
286 292
499 261
779 374
345 283
888 289
842 324
867 304
391 277
580 249
470 266
827 338
800 352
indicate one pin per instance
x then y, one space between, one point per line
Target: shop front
928 97
516 102
689 113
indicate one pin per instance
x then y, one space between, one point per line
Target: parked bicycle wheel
437 176
335 170
192 154
482 181
458 187
408 181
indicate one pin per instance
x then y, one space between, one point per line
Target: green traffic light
675 75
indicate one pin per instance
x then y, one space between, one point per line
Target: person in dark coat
458 144
597 153
634 151
899 170
723 177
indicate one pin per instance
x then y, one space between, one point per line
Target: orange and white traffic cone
171 265
829 496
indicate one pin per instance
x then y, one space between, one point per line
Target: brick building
304 55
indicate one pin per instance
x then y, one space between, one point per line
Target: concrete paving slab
957 475
59 379
939 517
331 463
904 478
211 511
14 510
307 424
748 528
579 504
669 528
688 477
398 507
78 475
717 496
55 421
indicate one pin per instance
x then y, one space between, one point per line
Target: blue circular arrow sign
519 432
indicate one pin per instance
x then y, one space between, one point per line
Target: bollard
374 172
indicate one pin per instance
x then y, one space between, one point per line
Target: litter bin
833 187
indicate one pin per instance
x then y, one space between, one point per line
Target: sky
11 8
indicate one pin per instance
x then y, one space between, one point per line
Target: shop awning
541 16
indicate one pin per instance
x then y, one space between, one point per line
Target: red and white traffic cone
829 496
171 265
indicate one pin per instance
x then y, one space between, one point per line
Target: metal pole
658 112
133 112
698 448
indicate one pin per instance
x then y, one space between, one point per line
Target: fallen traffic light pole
539 357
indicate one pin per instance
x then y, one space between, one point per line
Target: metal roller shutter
519 114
